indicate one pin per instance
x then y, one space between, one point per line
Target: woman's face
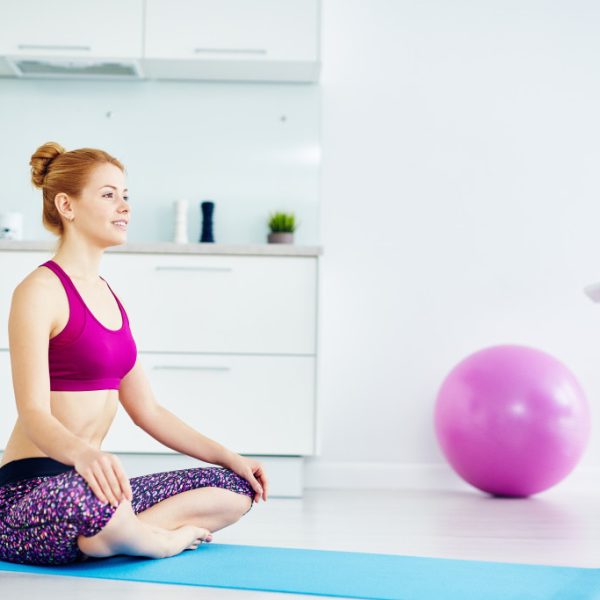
103 201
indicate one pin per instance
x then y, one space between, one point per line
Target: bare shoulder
39 290
39 278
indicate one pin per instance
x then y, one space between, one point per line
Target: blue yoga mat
346 574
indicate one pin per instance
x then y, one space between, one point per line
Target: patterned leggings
41 517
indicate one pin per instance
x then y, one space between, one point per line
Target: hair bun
41 159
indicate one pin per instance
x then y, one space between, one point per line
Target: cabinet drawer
215 303
250 404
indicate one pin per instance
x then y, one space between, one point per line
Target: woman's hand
253 472
105 475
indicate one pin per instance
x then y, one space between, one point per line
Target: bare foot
163 531
186 537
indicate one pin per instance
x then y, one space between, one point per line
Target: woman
73 358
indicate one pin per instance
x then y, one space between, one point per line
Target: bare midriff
88 415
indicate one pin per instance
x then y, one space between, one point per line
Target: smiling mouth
120 225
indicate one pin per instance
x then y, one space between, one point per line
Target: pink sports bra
86 355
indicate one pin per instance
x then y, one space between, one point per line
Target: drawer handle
230 50
51 47
174 268
191 367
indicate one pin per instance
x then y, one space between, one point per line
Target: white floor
553 528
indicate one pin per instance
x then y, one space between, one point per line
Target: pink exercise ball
512 420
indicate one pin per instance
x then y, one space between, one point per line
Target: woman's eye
126 198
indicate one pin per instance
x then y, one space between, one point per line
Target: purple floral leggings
41 517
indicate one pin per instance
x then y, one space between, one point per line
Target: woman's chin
117 240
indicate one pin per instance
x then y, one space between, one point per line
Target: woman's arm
29 326
174 433
140 404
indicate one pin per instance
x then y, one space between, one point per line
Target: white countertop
174 248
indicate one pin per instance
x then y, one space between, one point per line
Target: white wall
460 209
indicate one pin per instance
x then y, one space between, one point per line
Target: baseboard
321 474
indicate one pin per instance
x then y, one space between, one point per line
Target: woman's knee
248 505
240 504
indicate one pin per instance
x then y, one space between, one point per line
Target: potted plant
282 226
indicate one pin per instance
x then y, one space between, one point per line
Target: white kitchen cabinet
228 343
232 39
254 40
71 28
222 29
236 304
254 405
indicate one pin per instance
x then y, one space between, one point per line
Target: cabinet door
250 404
232 29
209 303
67 28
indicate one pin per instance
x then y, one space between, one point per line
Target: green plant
281 221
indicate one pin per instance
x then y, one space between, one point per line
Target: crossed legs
169 526
210 507
51 520
171 510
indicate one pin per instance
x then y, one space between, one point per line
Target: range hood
76 68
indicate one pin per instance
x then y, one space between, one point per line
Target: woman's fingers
105 487
123 484
264 484
129 492
105 476
113 482
123 480
93 483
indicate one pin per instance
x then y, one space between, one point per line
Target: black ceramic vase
207 222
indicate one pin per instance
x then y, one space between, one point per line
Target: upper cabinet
71 28
254 40
245 29
232 39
